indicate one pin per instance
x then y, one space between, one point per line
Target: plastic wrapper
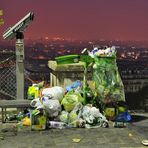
33 92
26 121
76 86
38 120
70 100
74 116
73 119
64 116
123 117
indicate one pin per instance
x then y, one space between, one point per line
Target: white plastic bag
93 117
54 93
52 107
89 114
36 103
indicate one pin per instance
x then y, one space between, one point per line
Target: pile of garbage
57 107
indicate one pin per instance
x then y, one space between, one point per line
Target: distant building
134 75
134 85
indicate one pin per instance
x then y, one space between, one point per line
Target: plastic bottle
119 124
55 124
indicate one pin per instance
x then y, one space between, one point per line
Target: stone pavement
139 124
129 137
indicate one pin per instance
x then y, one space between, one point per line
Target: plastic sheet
107 80
70 100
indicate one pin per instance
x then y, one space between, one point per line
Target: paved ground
139 124
129 137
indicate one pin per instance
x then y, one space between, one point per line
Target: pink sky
80 19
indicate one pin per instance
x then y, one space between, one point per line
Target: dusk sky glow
80 19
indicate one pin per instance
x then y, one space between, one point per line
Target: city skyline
89 19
